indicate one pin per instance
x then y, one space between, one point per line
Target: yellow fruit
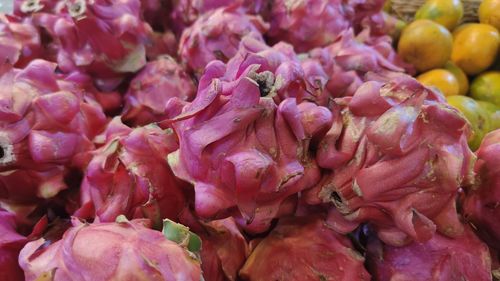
486 87
425 44
441 79
445 12
463 80
489 13
494 113
475 47
475 114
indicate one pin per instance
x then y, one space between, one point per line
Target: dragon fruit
441 258
129 175
106 39
186 12
46 123
397 162
482 203
347 61
151 90
304 249
125 250
216 35
292 21
19 41
10 244
224 249
245 155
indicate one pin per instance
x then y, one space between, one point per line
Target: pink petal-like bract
126 251
304 249
397 160
439 259
482 201
10 244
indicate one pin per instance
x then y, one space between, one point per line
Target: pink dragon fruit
19 41
216 35
304 249
245 155
307 24
441 258
129 175
482 203
151 90
125 250
10 244
186 12
347 60
397 162
106 39
45 125
224 249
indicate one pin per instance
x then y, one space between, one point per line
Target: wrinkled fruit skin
10 244
129 175
106 39
216 36
46 123
304 249
153 88
394 163
482 201
441 258
245 155
19 40
109 251
224 248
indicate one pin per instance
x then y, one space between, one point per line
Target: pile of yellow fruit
448 55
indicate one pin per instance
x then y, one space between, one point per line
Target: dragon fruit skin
126 251
186 12
46 123
82 41
482 202
19 41
292 22
463 258
129 175
224 248
10 244
216 35
241 150
347 61
304 249
394 164
151 90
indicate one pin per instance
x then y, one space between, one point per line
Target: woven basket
405 9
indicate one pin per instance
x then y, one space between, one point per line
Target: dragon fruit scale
124 250
441 258
307 24
481 206
10 244
46 123
105 39
150 91
397 162
129 175
245 155
216 35
19 40
305 249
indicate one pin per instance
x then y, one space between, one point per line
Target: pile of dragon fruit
223 140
